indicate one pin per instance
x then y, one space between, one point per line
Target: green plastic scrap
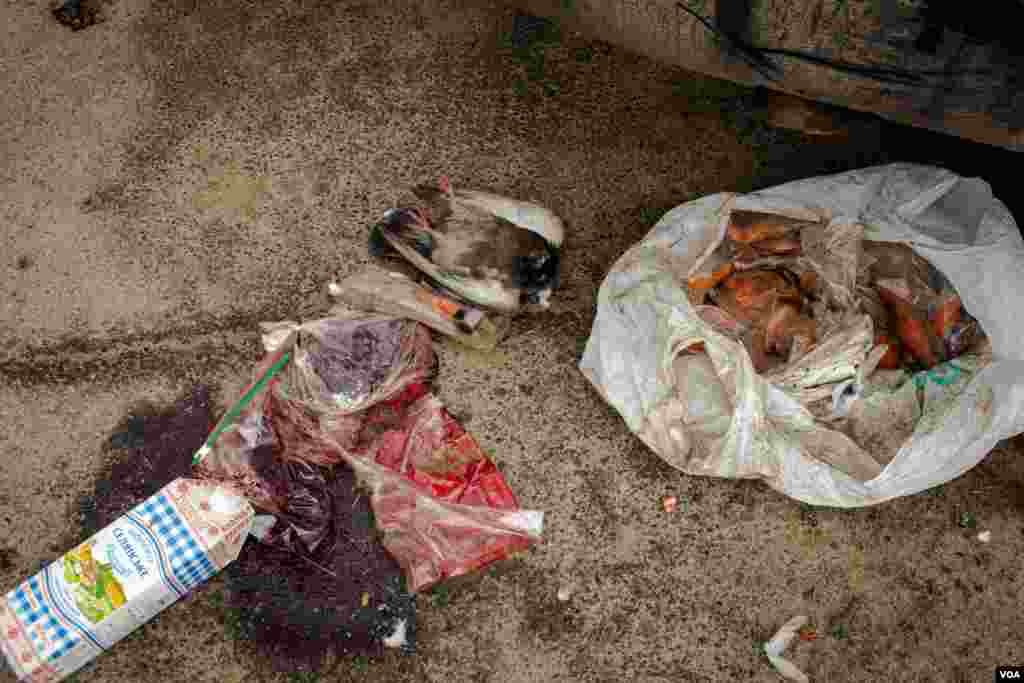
236 410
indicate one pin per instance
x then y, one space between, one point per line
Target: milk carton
102 590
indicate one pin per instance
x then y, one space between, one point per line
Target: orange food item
891 359
757 288
695 348
807 633
915 336
751 226
751 296
702 281
446 307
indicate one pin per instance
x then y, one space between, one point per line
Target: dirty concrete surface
181 171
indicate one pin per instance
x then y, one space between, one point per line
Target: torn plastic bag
778 645
314 380
496 252
441 503
345 596
347 362
303 524
954 223
445 506
394 293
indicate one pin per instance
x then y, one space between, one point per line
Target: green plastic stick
236 410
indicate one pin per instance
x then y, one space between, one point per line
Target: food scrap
923 313
766 279
757 279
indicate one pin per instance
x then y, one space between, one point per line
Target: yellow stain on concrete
808 540
231 193
856 569
477 359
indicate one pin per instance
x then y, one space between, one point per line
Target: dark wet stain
23 263
7 559
291 612
104 197
545 617
78 14
113 368
122 352
184 328
298 613
152 447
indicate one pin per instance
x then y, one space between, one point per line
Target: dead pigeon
496 252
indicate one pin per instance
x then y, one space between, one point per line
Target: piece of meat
915 336
753 226
701 281
786 324
752 295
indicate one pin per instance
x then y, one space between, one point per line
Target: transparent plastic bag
396 294
442 505
646 318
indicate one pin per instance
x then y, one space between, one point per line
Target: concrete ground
183 170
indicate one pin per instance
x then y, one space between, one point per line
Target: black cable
757 58
738 47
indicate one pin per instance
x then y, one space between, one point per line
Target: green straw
236 410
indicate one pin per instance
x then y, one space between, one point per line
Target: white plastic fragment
397 637
778 644
985 536
261 526
564 593
845 393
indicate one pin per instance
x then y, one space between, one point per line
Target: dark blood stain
78 14
295 611
342 600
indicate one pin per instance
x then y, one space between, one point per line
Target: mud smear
295 613
193 346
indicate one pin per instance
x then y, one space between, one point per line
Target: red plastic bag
442 506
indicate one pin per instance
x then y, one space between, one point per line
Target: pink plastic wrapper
358 391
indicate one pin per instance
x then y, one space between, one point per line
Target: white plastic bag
645 320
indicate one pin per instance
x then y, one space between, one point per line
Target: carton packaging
55 622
